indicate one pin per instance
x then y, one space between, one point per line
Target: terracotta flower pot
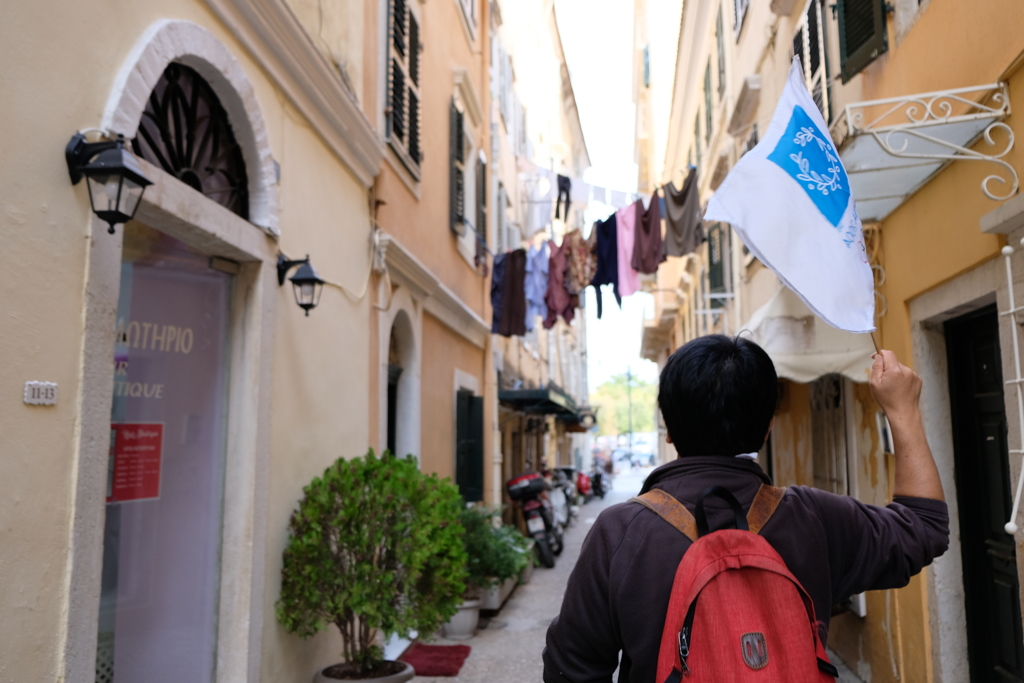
462 626
405 674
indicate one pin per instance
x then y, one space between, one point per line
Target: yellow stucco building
922 101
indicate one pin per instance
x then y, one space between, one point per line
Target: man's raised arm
897 389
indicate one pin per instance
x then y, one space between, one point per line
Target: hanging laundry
564 194
580 194
558 299
618 199
537 260
648 248
605 237
684 230
540 196
497 283
513 295
582 261
626 220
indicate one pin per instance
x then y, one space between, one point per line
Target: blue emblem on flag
810 158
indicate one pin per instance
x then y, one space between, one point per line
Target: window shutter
456 181
413 120
720 39
716 264
403 91
397 100
469 451
707 102
862 34
481 205
414 50
414 128
398 25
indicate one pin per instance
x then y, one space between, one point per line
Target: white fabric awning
894 146
803 346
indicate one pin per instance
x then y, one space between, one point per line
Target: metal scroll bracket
1011 526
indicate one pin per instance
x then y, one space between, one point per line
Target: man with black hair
717 396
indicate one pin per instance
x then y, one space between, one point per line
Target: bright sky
598 39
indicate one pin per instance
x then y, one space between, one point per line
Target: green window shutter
716 264
862 34
469 446
481 207
708 114
457 176
398 25
414 50
397 101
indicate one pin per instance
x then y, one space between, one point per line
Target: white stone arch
405 318
168 41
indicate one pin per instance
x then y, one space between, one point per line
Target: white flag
789 199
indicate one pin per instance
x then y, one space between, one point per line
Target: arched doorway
394 375
167 471
402 420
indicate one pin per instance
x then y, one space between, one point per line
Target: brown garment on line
581 262
684 228
513 295
648 248
557 298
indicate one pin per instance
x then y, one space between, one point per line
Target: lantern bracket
284 264
79 151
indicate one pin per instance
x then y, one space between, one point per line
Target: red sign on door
137 449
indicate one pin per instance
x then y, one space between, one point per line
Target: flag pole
875 342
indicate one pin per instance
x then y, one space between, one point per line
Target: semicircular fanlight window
186 132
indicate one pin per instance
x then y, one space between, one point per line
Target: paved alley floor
508 649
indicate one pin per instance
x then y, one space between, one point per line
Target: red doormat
436 660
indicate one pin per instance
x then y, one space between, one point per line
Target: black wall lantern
116 182
306 283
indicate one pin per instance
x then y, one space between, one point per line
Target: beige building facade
146 507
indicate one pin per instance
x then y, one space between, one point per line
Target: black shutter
397 100
716 264
398 25
456 181
414 128
813 49
414 50
862 34
481 207
469 446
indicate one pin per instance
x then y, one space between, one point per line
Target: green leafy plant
496 552
375 545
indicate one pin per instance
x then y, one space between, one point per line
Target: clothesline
547 280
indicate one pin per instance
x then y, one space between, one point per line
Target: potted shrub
376 549
496 556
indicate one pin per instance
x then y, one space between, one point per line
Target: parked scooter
563 496
584 487
597 483
530 491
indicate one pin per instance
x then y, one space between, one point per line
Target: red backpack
736 612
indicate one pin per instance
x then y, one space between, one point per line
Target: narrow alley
507 647
323 315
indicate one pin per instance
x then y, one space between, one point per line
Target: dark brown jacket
618 592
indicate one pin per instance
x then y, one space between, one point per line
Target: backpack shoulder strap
763 506
669 509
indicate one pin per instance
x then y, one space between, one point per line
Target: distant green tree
612 401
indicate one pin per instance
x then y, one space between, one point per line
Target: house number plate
41 393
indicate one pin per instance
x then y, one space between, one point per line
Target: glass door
161 543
